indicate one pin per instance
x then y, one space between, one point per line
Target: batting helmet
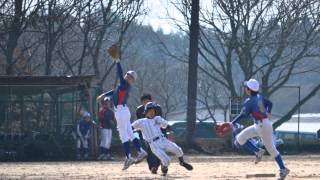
148 106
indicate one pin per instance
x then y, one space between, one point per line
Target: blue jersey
257 106
121 93
83 128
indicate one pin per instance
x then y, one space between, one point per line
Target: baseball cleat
141 156
127 163
259 155
101 156
164 170
78 157
107 157
186 165
86 156
154 170
284 173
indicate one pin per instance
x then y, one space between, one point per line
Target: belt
156 138
120 106
259 120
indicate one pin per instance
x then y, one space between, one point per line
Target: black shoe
154 170
186 165
164 170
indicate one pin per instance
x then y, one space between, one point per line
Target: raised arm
120 74
109 93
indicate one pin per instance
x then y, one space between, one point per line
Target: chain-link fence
37 116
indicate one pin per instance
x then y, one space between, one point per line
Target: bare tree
101 24
15 17
271 41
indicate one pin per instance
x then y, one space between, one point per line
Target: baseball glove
223 129
114 52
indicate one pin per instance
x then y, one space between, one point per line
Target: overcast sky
157 15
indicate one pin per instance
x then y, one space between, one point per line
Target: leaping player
260 109
159 144
122 114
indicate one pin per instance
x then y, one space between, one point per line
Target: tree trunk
192 73
14 34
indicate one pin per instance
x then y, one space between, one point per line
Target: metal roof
45 80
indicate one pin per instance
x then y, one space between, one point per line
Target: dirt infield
205 167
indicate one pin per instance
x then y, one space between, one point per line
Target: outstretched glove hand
224 129
114 52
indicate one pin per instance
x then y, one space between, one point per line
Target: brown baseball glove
114 52
223 129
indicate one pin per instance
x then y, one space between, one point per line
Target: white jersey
150 128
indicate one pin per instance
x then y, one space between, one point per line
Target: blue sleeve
244 112
238 118
267 104
120 74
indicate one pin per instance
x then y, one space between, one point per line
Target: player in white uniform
159 144
259 108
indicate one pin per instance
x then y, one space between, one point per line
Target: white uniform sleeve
162 122
137 124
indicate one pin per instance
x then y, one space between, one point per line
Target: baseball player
122 114
82 135
105 116
152 160
260 109
159 144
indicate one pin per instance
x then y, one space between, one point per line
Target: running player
260 109
159 144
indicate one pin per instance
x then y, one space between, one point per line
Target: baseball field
205 167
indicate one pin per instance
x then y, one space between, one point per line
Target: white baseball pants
106 136
122 115
264 130
163 145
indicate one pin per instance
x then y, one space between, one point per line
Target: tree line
274 41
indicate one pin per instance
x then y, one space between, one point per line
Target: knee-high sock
280 162
126 148
137 144
86 151
250 146
102 150
78 151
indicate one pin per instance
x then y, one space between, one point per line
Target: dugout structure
38 113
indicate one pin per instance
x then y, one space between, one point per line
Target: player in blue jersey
122 114
260 109
82 134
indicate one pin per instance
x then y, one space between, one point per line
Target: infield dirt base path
205 167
